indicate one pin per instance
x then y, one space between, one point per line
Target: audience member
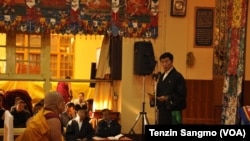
37 107
64 88
17 99
79 128
2 110
20 115
106 126
68 114
46 125
80 100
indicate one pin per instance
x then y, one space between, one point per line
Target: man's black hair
167 55
80 107
70 104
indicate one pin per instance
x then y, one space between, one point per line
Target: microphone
159 74
156 75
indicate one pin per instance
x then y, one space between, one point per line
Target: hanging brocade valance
128 18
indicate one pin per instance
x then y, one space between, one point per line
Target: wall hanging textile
128 18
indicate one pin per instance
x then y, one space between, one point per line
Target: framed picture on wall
204 26
178 8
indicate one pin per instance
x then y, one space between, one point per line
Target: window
62 55
28 54
3 58
33 56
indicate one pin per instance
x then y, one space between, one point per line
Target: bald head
52 99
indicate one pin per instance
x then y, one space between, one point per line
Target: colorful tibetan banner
129 18
140 18
232 28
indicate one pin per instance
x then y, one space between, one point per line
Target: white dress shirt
166 73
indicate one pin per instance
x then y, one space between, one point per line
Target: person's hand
151 97
162 98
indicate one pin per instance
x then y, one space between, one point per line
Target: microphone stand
142 115
156 79
156 110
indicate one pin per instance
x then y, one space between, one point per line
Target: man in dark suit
68 114
170 93
106 126
79 128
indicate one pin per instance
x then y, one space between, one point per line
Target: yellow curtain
103 66
103 96
103 91
36 90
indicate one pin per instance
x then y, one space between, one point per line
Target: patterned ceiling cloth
234 33
129 18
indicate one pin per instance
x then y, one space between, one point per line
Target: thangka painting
139 18
129 18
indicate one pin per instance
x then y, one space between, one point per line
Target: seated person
68 114
17 99
106 126
20 115
79 128
38 106
2 110
80 100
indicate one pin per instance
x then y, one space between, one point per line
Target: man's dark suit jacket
73 132
174 87
106 129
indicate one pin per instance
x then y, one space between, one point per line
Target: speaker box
144 59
